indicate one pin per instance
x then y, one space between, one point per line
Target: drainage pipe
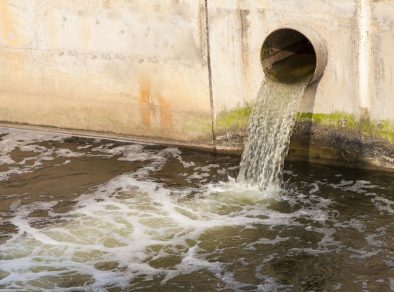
291 55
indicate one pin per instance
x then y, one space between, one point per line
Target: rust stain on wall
165 113
145 100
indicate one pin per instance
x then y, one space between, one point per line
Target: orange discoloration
145 103
165 113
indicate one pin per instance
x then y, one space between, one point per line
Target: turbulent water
94 215
269 134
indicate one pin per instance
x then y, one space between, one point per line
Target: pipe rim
318 44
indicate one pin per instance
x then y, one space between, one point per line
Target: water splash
146 218
269 133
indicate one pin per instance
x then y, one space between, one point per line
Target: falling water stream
274 114
269 134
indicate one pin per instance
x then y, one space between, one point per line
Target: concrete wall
335 21
189 70
127 67
382 75
345 118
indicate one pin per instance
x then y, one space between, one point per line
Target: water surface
83 214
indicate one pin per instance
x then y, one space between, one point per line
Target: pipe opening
288 56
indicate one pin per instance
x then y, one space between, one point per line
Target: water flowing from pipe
269 133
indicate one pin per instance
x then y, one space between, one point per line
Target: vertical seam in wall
210 72
364 53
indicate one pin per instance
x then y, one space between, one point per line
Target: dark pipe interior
288 56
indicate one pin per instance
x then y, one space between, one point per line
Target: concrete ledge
205 147
341 156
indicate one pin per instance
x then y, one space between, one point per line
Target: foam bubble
138 226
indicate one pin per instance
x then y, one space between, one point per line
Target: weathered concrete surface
128 67
382 78
188 71
362 136
335 21
342 139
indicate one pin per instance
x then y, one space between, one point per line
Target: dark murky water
78 214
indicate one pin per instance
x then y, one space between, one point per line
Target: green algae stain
200 126
367 128
383 129
340 120
238 119
234 119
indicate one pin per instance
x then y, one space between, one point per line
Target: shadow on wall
301 139
340 138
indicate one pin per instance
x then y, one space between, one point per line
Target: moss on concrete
238 119
234 119
335 139
365 127
339 120
383 129
201 125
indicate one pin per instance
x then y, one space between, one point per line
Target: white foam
68 153
134 220
122 219
391 281
359 186
24 140
382 204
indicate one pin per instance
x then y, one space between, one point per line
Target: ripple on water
161 218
